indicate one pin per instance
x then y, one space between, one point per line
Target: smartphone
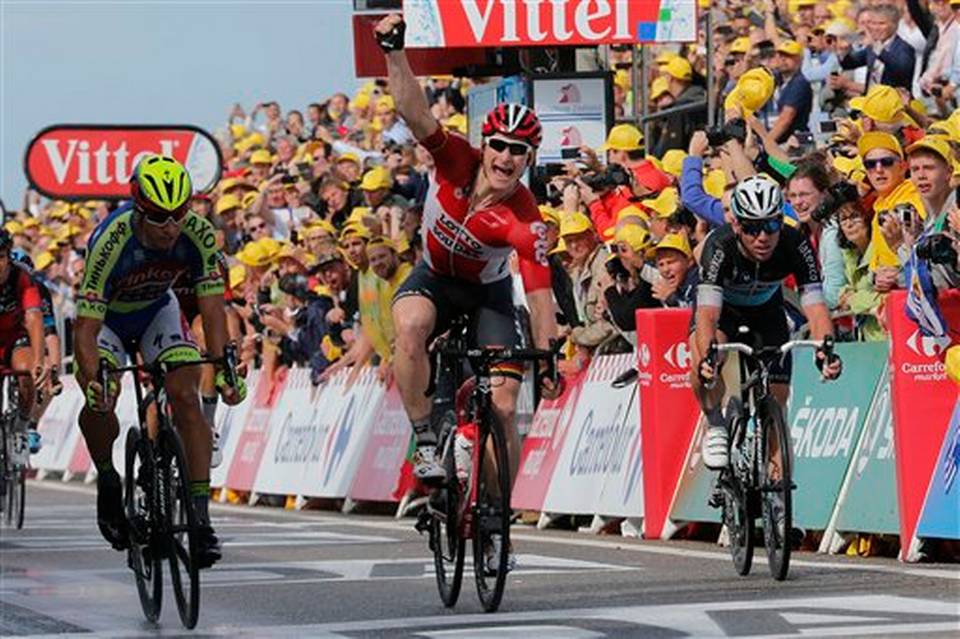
805 138
288 179
828 126
936 91
570 153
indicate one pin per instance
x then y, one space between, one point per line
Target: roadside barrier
876 452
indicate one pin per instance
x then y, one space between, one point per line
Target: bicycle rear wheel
776 485
181 527
446 540
491 517
139 502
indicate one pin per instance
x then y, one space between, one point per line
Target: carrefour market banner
526 23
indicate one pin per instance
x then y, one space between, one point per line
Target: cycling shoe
110 516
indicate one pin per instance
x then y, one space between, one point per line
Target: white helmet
758 197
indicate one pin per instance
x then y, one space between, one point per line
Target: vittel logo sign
75 161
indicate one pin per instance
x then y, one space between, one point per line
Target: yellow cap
790 47
13 227
850 168
359 101
622 79
666 56
457 122
358 213
882 104
714 182
349 157
319 226
232 183
255 139
228 202
945 127
237 131
623 137
753 90
806 3
355 228
248 199
238 275
674 241
634 236
260 253
659 87
549 214
953 363
878 140
376 178
261 156
381 241
665 204
386 104
632 211
574 223
937 144
679 69
673 161
741 45
561 247
43 260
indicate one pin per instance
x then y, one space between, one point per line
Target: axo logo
644 355
927 346
679 355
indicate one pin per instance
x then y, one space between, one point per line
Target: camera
937 249
836 196
617 270
255 320
296 285
610 178
735 129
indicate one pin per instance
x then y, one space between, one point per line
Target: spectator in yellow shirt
887 172
387 266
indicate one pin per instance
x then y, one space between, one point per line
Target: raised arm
406 90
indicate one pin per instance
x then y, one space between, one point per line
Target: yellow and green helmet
161 184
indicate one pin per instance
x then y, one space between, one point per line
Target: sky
160 62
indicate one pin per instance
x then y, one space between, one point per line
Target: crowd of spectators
850 106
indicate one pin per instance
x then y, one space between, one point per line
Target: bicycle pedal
717 499
424 522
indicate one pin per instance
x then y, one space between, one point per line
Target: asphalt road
309 574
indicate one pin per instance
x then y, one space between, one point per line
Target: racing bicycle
13 464
157 503
476 507
757 481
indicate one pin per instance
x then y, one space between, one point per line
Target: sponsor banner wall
923 399
127 416
59 428
824 421
941 512
230 422
382 459
668 410
479 23
870 503
598 439
695 485
252 438
542 447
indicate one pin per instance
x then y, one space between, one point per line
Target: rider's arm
214 324
706 326
33 321
819 319
543 317
710 290
809 282
410 99
208 282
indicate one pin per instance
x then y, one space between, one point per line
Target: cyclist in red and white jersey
477 213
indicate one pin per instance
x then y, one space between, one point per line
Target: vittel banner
90 161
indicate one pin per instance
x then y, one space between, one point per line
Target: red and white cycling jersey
476 246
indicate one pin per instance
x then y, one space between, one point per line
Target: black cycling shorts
493 318
768 322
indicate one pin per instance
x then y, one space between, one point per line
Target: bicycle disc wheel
181 529
491 518
138 503
447 542
775 490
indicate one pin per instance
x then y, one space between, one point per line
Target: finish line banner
537 23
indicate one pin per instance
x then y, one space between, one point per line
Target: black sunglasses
516 148
886 162
755 228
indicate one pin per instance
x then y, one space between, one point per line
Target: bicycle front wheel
181 526
139 491
446 538
491 516
16 496
776 483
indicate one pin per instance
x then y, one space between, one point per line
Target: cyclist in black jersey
743 266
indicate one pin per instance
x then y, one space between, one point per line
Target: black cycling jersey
729 277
